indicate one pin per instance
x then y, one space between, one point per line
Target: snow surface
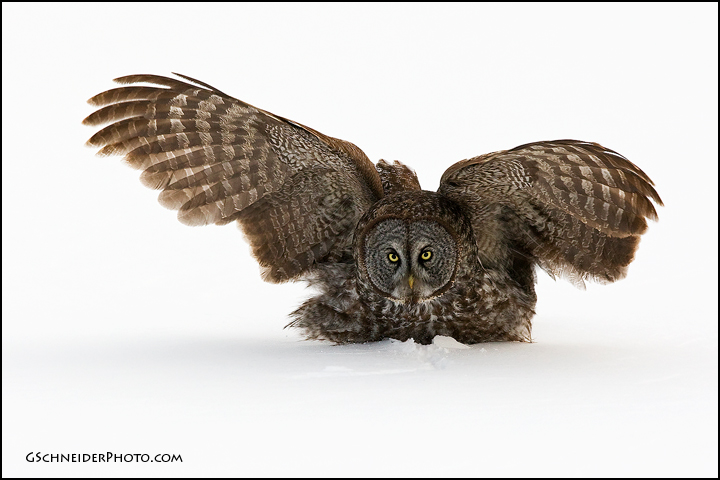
273 405
125 331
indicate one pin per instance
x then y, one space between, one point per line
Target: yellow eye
426 255
393 258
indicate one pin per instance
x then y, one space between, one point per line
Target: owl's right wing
296 193
575 208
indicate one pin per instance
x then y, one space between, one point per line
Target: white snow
572 403
125 331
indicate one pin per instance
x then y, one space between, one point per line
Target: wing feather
579 208
296 193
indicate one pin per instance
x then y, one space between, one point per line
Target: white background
125 331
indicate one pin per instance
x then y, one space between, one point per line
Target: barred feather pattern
214 156
578 208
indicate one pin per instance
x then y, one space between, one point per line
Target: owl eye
393 257
426 255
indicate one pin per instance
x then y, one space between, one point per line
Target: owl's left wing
575 208
296 193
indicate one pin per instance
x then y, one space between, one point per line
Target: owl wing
296 193
575 208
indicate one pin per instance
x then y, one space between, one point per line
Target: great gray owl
390 260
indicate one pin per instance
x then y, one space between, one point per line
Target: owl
388 259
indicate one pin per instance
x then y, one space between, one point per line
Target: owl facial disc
409 261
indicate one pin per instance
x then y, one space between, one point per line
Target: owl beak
411 280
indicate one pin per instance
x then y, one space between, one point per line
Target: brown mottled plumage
389 259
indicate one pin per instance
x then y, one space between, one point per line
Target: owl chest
476 311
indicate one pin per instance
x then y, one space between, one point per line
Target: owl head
410 245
